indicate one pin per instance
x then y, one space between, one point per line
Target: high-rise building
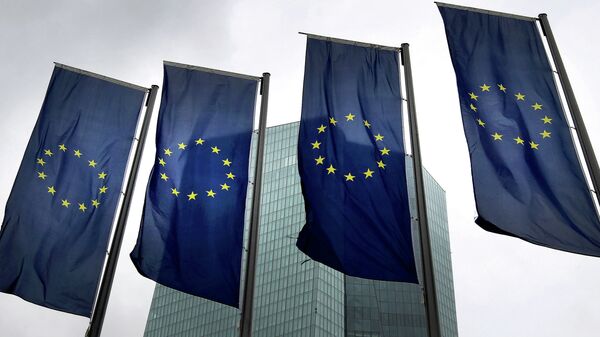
297 297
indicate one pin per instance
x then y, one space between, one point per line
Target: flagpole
430 295
582 134
248 297
99 312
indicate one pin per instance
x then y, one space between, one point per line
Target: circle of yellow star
95 203
367 124
199 141
102 175
520 96
378 137
474 108
497 136
77 153
65 203
381 164
215 149
473 96
103 189
168 152
92 163
502 88
349 176
175 192
51 190
41 161
316 144
368 173
537 106
192 196
226 162
519 141
349 117
485 87
182 146
331 169
210 193
545 134
533 145
161 162
62 147
385 151
164 176
42 175
547 120
225 187
82 207
321 128
230 176
319 160
481 123
332 121
48 153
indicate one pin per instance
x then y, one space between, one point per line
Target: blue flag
192 228
352 163
59 214
527 179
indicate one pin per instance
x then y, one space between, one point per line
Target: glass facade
296 296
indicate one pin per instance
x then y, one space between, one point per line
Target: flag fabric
527 178
192 228
60 211
351 160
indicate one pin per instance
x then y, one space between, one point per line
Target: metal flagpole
99 313
430 295
584 139
247 307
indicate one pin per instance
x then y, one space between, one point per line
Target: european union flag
527 178
59 214
352 162
192 228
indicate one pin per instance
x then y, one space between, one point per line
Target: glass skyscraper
298 297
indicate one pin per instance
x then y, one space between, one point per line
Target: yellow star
175 192
381 164
226 162
181 146
230 176
51 190
367 124
502 88
319 160
192 196
368 173
331 169
474 108
65 203
349 176
82 207
225 187
62 147
92 163
349 117
519 141
48 153
164 177
534 145
547 120
321 128
95 203
537 106
102 175
385 151
42 175
210 193
199 141
215 149
520 96
316 144
332 121
77 153
485 87
481 123
378 137
41 161
168 152
103 189
497 136
161 162
545 134
473 96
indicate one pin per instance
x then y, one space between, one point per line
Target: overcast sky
504 286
